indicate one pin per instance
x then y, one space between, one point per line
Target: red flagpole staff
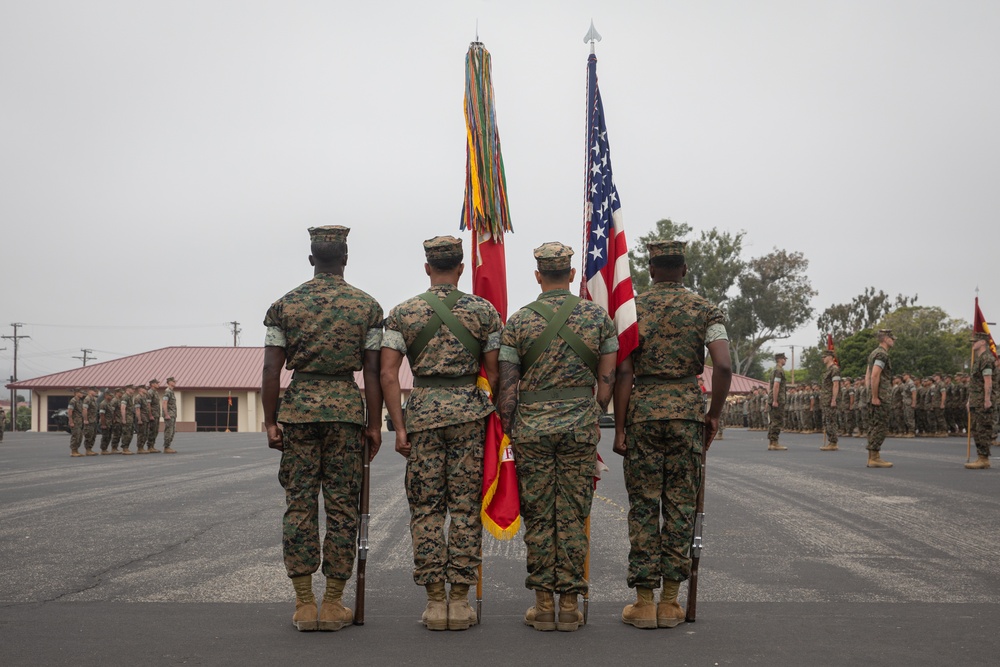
486 213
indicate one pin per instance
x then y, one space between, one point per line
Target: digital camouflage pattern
558 367
90 422
878 415
662 474
324 325
153 425
444 356
127 405
983 366
140 406
75 409
776 415
444 476
320 457
674 326
830 377
169 425
115 419
555 476
105 419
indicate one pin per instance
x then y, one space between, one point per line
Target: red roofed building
218 388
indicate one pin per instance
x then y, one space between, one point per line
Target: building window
216 413
57 403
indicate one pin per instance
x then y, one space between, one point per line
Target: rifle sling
443 315
557 327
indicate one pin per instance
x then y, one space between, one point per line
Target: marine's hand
402 443
374 437
620 447
275 437
875 400
711 428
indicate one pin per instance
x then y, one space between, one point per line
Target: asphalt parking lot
810 559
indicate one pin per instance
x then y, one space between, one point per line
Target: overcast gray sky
161 161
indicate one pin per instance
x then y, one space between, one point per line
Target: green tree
863 312
773 301
713 259
812 363
853 351
928 340
23 418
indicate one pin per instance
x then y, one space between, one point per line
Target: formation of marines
120 413
553 368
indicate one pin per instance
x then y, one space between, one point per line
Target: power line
236 330
13 378
85 358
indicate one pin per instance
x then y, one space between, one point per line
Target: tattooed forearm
510 376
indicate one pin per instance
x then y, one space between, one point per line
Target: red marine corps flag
980 325
829 346
486 213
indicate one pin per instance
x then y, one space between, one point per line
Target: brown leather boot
773 446
669 613
829 447
875 460
305 618
542 616
333 615
981 463
642 612
460 615
570 617
435 616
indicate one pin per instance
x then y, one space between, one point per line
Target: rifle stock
359 601
696 547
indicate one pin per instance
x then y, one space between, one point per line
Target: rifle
359 602
696 546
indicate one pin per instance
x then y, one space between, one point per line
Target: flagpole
968 412
591 37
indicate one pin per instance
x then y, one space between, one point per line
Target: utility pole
13 404
86 358
236 330
793 360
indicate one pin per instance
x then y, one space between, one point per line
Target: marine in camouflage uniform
878 376
324 330
169 409
549 411
116 420
3 422
127 409
829 395
105 418
140 405
662 428
938 401
444 428
153 425
75 413
896 409
981 399
91 415
776 398
909 397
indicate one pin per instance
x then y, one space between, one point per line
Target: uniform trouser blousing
878 425
982 429
776 421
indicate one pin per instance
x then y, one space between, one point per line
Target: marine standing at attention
776 394
552 352
324 330
446 335
662 429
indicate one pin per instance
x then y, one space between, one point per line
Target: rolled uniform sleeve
373 339
716 332
274 337
394 340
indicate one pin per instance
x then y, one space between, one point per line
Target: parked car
60 420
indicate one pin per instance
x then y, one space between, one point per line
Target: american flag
607 279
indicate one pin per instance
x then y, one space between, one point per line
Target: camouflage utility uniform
831 378
104 410
446 428
90 420
127 409
665 428
169 425
76 423
555 439
140 403
982 417
324 325
878 415
776 414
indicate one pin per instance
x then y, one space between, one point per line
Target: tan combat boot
875 460
773 446
642 612
333 615
542 616
435 616
169 450
305 617
75 453
152 450
460 614
91 452
829 447
981 463
126 450
669 612
570 617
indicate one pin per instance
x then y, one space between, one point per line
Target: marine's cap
130 386
443 247
827 353
81 390
979 335
780 355
93 389
845 379
171 379
887 332
665 248
553 256
154 381
329 234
